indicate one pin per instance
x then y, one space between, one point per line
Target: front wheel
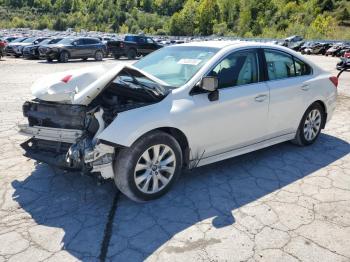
310 126
148 169
98 56
64 57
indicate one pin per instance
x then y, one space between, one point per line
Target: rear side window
279 65
301 69
89 41
130 38
80 41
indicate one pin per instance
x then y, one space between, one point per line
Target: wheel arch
65 50
180 138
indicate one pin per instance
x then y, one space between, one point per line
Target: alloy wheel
155 169
312 124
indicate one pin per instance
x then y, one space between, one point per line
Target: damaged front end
65 135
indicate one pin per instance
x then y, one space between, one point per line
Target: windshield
46 41
66 41
176 65
18 40
54 41
29 40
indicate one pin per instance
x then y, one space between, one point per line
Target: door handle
260 98
305 87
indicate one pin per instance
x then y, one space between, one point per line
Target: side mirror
209 83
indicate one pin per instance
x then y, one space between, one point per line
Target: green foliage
249 18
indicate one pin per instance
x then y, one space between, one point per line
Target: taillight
334 80
66 78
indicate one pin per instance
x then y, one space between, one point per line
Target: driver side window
238 68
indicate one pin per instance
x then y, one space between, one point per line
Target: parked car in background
316 49
344 62
296 45
304 46
344 49
32 51
335 49
74 48
181 107
11 46
132 46
293 39
17 48
9 39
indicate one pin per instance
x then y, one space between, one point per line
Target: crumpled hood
62 86
79 86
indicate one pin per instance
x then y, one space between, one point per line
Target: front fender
128 126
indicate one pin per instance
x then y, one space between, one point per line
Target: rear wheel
310 125
64 57
98 55
149 168
132 54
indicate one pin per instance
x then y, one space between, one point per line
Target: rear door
142 46
288 83
89 47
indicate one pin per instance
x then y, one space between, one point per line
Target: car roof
229 43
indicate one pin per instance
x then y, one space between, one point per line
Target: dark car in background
317 49
16 48
335 49
296 45
32 51
132 46
75 48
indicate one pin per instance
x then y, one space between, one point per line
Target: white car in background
182 106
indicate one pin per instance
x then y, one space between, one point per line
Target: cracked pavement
282 203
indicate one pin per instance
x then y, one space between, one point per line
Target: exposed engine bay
65 135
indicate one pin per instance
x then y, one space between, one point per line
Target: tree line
247 18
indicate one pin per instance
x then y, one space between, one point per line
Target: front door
239 117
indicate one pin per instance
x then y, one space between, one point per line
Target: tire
303 137
131 54
129 181
98 55
64 57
